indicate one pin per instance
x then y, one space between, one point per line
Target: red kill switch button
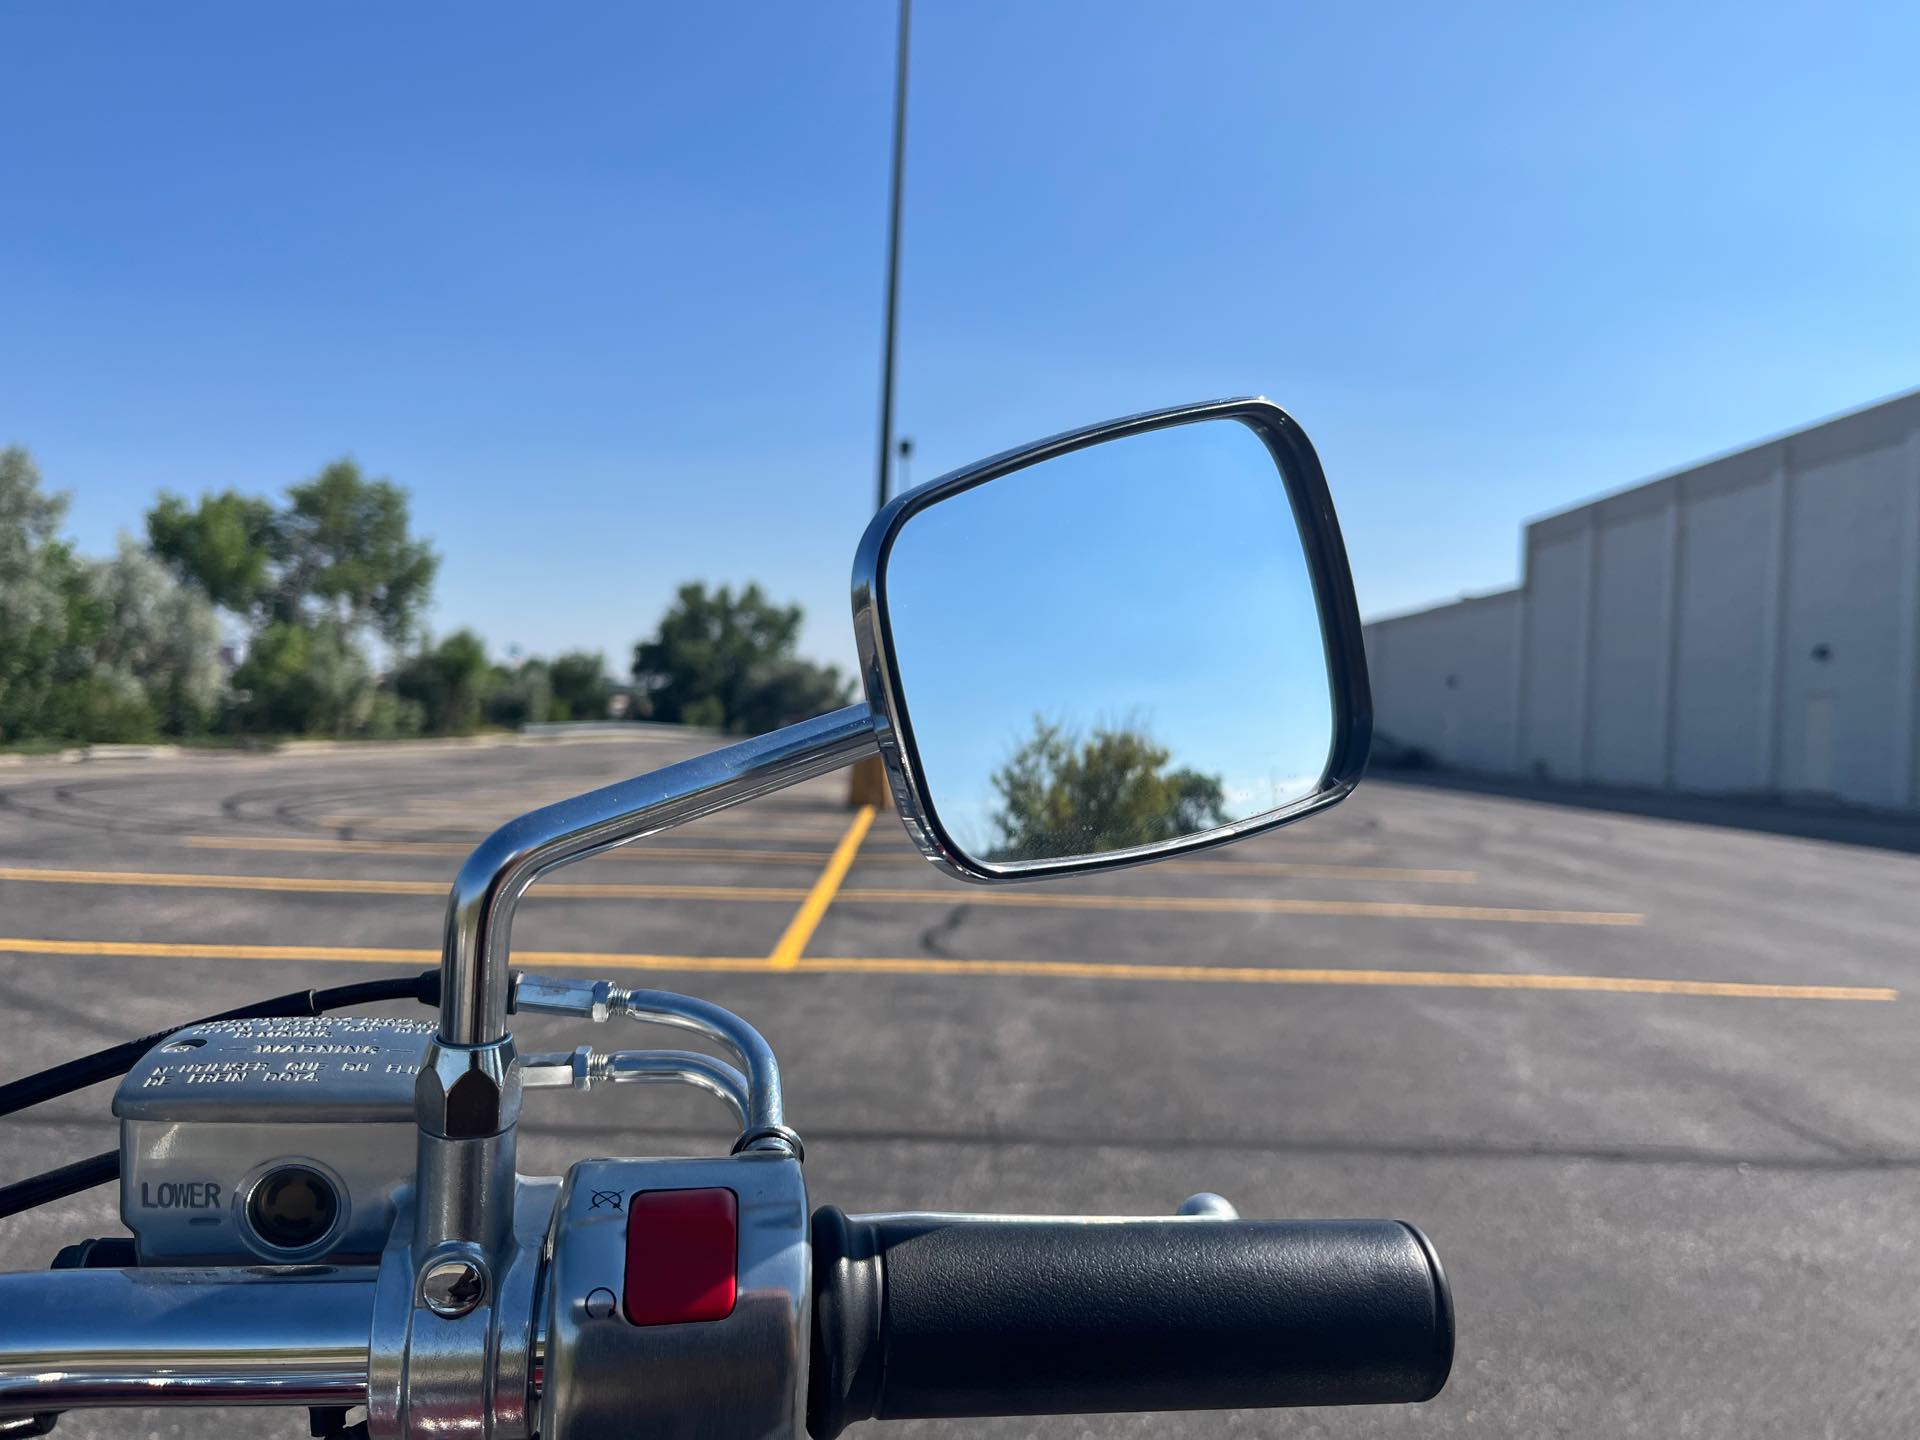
682 1249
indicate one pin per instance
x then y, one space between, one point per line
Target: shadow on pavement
1832 821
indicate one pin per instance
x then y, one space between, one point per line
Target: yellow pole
867 784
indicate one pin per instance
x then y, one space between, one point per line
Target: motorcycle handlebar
913 1316
922 1316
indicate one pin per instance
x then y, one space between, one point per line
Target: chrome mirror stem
468 1097
473 978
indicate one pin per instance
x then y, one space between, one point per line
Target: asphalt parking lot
1649 1085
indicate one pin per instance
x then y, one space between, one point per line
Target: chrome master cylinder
274 1139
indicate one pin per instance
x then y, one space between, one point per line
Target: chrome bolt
452 1288
1208 1205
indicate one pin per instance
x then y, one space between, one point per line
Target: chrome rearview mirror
1125 641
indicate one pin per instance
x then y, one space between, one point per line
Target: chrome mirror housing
1123 642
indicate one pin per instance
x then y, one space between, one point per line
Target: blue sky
601 284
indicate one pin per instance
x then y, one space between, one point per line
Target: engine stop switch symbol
606 1200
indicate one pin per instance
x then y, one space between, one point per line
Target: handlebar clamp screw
452 1288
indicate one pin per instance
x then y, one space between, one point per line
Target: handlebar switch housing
284 1140
640 1341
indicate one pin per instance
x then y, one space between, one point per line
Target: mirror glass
1111 650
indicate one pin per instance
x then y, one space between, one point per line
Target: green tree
581 688
50 618
107 705
341 548
315 579
522 694
782 690
223 544
389 717
344 542
450 683
163 636
1062 795
302 678
728 661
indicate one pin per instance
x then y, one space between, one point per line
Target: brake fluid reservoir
278 1139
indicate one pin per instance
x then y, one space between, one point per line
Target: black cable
116 1060
58 1184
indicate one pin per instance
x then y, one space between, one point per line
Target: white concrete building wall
1723 656
1553 695
1452 676
1632 640
1847 655
1748 626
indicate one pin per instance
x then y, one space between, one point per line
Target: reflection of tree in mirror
1063 795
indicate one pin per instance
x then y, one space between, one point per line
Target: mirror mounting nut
466 1092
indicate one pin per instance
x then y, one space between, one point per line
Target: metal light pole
893 256
867 782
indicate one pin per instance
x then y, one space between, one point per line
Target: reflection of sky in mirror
1155 583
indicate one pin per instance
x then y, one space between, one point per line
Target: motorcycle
324 1209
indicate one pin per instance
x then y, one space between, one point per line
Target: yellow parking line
347 885
784 826
1307 870
1422 979
786 953
1302 870
835 872
304 845
482 825
1258 905
1036 969
314 845
192 880
182 950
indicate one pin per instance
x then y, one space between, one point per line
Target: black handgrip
935 1316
